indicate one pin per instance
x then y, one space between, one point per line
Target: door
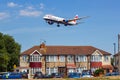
62 70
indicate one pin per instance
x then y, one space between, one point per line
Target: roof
117 54
107 67
65 50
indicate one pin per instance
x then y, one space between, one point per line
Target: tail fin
76 17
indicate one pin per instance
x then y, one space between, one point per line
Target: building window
35 58
70 58
80 69
33 70
51 70
47 71
80 58
96 58
51 58
62 58
25 58
47 58
106 58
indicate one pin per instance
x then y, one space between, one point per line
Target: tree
4 58
112 61
9 52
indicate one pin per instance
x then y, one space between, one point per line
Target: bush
98 72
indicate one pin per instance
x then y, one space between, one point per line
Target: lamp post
114 53
114 48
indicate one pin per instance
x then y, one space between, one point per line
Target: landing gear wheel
58 25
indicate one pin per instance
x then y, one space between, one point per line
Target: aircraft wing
78 18
79 23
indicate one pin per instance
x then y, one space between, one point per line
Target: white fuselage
54 18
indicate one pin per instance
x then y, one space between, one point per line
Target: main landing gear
58 25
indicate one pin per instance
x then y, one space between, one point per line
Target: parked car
1 74
24 75
57 75
86 72
47 76
11 75
87 76
74 75
38 75
112 74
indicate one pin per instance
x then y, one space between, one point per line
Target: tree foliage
99 71
9 52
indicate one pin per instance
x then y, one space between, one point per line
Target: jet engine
66 21
50 22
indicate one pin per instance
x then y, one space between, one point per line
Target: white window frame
81 58
96 58
33 70
51 58
62 58
51 70
25 58
80 69
35 58
106 58
70 58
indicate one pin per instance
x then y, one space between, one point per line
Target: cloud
42 6
12 4
3 15
30 7
32 13
29 30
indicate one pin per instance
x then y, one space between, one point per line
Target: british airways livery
50 19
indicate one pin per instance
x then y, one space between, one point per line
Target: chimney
118 42
43 47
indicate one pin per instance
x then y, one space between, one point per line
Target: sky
23 20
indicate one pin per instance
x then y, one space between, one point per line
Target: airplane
50 19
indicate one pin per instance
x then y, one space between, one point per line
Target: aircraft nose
45 17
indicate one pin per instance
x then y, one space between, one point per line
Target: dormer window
35 58
96 58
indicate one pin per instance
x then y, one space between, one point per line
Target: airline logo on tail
76 17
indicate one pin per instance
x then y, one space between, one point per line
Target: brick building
64 59
117 61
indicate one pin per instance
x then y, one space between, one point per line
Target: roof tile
65 50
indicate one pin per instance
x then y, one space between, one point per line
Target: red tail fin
76 17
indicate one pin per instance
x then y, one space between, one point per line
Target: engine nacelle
65 21
50 22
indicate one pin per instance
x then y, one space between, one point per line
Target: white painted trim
35 51
97 51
